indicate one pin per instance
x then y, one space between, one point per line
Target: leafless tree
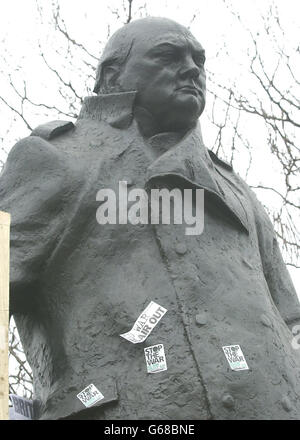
20 378
272 102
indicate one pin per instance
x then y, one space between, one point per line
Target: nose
189 69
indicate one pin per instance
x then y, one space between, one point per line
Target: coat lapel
189 160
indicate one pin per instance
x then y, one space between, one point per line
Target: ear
109 78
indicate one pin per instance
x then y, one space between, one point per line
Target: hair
115 54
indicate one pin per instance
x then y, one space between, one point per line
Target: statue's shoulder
52 129
36 150
222 163
261 216
226 169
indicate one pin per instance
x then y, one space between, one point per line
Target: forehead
182 40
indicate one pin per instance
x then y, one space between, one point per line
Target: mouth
190 89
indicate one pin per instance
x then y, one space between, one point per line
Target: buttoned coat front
77 285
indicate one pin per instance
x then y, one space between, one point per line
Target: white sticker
235 357
90 395
155 358
145 323
22 408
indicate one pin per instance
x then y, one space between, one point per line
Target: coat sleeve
30 190
276 274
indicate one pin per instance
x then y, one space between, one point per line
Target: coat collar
187 158
115 108
190 161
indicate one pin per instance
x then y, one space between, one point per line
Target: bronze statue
77 285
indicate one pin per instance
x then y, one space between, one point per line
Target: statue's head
164 63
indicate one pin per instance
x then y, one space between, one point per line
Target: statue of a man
225 297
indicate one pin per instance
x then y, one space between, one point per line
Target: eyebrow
198 50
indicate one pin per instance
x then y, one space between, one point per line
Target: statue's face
167 71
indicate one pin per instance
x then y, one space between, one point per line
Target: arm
276 274
30 187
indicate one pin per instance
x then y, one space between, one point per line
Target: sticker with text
21 406
90 395
145 323
235 357
155 358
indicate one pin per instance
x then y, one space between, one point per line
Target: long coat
77 285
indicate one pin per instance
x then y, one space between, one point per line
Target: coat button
228 401
201 319
265 320
180 248
286 403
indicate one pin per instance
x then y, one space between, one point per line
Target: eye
199 59
166 55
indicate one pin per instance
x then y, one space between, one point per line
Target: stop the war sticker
155 358
145 323
235 357
90 395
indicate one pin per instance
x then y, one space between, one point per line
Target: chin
187 110
190 104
